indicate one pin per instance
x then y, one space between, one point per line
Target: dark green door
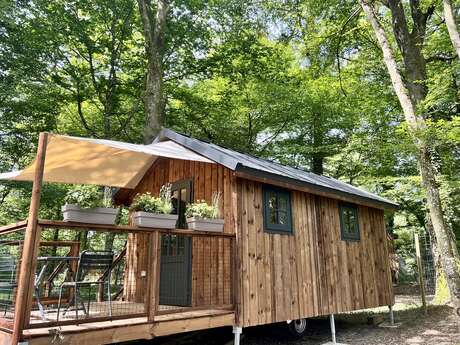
176 254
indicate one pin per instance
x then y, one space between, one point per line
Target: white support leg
237 332
334 340
392 317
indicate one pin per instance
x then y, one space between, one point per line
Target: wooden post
420 272
25 289
153 280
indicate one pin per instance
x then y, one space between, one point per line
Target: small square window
277 210
349 224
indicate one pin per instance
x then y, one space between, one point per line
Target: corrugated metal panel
238 161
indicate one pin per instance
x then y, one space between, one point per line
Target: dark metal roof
258 167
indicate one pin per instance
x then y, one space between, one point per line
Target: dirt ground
438 327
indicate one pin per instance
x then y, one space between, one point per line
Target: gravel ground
438 327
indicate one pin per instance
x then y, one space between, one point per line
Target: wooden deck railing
139 250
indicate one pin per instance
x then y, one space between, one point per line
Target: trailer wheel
298 328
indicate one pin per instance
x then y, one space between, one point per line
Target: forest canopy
300 82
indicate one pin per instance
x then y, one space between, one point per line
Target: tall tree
411 93
451 24
154 24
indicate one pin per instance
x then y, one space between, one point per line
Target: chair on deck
88 262
7 282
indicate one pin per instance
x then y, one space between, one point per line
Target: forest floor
438 327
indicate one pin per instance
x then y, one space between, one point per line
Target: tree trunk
417 128
317 144
154 30
451 25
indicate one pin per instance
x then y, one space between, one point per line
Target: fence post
153 280
25 289
420 272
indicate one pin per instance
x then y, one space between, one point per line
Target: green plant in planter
122 216
85 196
201 209
147 203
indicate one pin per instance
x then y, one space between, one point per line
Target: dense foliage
300 82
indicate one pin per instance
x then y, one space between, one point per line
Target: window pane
174 201
349 222
183 195
277 211
272 200
181 245
282 202
282 217
272 216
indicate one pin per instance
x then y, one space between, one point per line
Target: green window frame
349 222
277 210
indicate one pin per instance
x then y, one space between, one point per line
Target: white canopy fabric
100 162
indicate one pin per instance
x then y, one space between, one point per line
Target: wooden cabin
295 245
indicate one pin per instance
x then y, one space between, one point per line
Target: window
277 210
349 225
181 195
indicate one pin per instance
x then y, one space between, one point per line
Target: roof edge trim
262 174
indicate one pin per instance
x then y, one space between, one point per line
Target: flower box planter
98 215
201 224
155 220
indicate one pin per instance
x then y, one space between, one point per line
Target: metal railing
151 272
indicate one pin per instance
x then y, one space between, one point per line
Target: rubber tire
298 328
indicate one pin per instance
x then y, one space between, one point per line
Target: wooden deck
108 332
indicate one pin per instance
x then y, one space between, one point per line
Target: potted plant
154 212
203 217
85 204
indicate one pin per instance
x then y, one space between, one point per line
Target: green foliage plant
147 203
201 209
86 196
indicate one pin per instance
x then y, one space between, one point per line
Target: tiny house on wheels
293 245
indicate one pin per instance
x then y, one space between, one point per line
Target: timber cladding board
312 272
211 258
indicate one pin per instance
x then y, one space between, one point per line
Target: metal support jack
392 317
334 340
237 332
391 323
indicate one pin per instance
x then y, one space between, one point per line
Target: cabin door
176 254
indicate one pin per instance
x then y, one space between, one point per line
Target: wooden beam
125 228
163 328
153 284
5 338
5 229
109 332
25 289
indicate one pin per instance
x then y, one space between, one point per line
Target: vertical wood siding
312 272
212 257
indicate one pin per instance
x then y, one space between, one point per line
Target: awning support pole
32 234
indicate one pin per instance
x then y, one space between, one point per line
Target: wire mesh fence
10 260
80 276
429 270
83 275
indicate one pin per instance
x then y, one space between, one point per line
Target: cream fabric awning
100 162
